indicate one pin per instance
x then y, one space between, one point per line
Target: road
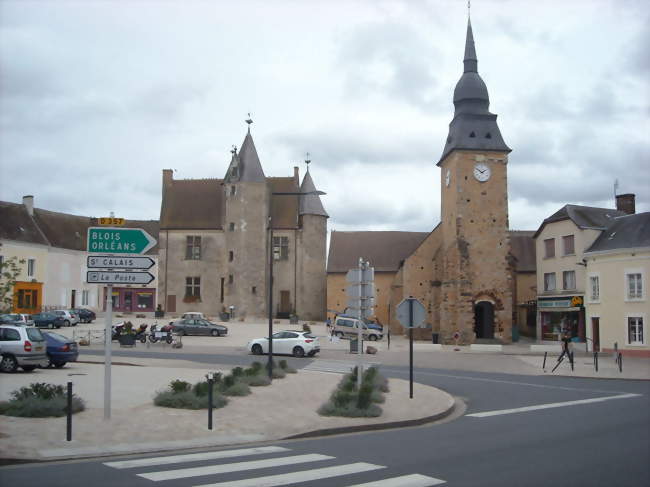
570 432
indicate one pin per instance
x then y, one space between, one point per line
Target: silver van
347 327
22 346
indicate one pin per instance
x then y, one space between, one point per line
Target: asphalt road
599 436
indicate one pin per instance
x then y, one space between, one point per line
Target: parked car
10 319
198 327
85 315
296 343
60 349
21 346
69 319
345 326
193 315
48 319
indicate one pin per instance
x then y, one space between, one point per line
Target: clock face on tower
481 172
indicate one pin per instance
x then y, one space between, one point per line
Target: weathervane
249 121
233 151
469 6
307 161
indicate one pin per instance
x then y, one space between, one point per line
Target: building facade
220 238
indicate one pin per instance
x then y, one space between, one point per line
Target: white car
296 343
70 319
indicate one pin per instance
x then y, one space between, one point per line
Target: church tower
476 281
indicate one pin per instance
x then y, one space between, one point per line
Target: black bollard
620 362
210 382
544 364
596 361
571 360
69 419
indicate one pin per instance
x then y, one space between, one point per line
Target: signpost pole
107 351
360 316
411 348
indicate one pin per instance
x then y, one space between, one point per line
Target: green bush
237 372
329 409
237 389
349 401
40 400
228 381
178 386
257 366
257 380
187 400
364 398
279 374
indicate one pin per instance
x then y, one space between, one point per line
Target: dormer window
488 135
472 135
233 190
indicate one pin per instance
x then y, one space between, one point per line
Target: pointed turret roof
250 168
473 126
310 204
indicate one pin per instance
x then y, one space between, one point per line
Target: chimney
168 177
28 201
296 176
625 203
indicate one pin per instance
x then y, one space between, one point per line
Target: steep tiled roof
585 217
310 204
192 204
384 250
522 247
250 167
16 224
624 232
63 230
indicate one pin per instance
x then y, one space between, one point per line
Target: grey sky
97 97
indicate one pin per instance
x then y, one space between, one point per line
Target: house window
233 188
231 227
568 244
569 280
231 256
594 288
549 248
231 279
193 249
84 297
280 248
549 281
31 264
253 290
193 287
635 330
634 286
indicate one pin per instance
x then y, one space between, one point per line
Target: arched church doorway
484 319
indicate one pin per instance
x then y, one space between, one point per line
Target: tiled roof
192 204
522 246
624 232
63 230
384 250
584 217
310 204
16 224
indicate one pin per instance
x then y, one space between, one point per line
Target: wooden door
595 333
285 304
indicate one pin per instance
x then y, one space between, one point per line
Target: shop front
128 299
561 315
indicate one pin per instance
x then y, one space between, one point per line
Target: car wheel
50 326
8 364
66 323
215 333
28 368
257 349
58 365
373 338
298 352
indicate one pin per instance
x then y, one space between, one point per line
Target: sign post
361 297
411 314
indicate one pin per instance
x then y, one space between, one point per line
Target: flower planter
126 340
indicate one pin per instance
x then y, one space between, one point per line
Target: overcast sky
97 97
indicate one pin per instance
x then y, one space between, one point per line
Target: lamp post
270 363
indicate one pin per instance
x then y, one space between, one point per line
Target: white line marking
414 480
195 457
549 406
231 467
298 477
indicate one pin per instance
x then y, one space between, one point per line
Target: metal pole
544 364
69 419
620 362
411 348
596 361
107 351
210 382
359 315
270 364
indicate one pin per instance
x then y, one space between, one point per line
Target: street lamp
270 364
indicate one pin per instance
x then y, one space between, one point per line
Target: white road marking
195 457
298 477
415 480
550 405
232 467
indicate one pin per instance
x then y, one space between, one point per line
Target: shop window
634 285
549 248
280 248
569 280
193 248
568 244
192 287
27 298
549 281
31 267
144 300
635 330
594 288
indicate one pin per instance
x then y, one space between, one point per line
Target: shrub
257 366
237 372
237 389
40 390
187 400
349 401
364 398
40 400
279 374
228 381
178 386
257 380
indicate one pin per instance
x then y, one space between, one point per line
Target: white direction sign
118 262
403 313
111 277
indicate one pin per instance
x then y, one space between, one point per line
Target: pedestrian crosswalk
247 463
336 366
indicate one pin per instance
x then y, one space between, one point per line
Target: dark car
85 315
48 320
198 327
60 349
10 319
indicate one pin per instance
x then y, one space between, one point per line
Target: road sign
403 313
106 240
119 262
111 221
356 276
112 277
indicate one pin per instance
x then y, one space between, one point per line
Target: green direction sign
108 240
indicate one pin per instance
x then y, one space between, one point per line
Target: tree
9 271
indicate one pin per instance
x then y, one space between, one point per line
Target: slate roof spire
473 126
310 204
245 167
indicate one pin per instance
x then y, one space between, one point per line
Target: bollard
571 360
620 362
69 418
210 382
544 364
596 361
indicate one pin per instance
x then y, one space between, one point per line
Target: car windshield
35 334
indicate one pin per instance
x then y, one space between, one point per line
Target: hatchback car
21 346
69 319
85 315
10 319
198 327
296 343
60 349
48 320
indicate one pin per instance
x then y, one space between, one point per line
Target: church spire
470 60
